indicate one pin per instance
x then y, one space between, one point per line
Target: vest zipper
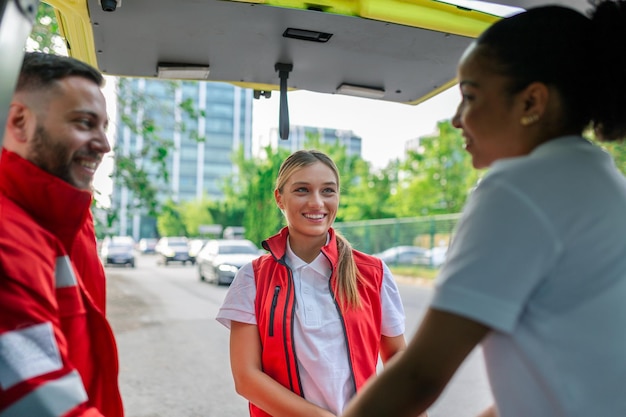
273 309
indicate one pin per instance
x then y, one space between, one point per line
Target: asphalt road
174 355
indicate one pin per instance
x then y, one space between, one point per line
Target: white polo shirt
539 256
322 359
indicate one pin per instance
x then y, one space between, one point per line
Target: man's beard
52 156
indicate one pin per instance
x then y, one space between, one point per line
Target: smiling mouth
89 164
315 216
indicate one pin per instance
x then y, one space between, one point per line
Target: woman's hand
255 385
415 378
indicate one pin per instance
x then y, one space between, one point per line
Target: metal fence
373 236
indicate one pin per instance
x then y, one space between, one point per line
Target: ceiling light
361 91
307 35
183 72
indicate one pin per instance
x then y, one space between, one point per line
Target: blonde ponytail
348 274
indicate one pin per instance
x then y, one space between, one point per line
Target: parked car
173 249
118 250
194 247
437 255
234 232
404 255
220 259
413 255
147 245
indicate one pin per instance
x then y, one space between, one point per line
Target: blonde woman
309 319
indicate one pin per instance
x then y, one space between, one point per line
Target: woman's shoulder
372 264
366 257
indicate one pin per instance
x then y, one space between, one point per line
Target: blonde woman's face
309 201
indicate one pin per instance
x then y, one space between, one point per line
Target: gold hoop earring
528 120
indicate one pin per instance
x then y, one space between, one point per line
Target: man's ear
17 123
279 199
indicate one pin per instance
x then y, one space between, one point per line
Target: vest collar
277 245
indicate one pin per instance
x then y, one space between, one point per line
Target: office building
300 135
202 123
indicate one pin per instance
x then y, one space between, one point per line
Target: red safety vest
275 310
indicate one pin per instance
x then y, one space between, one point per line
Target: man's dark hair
40 70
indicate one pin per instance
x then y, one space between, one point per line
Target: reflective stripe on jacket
275 311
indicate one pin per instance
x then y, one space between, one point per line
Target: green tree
437 178
367 195
616 149
44 35
194 214
139 114
228 212
618 152
170 220
256 181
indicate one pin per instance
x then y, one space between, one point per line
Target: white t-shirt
539 256
319 340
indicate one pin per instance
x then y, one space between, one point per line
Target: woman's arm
255 385
489 412
414 379
389 346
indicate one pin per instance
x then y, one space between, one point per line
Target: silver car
220 259
173 249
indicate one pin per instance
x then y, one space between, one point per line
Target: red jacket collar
56 205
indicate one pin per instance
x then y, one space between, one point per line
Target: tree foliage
195 214
170 221
185 218
618 152
44 35
437 177
228 212
255 180
138 114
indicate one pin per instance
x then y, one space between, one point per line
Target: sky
384 127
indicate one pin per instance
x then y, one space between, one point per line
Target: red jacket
275 310
57 352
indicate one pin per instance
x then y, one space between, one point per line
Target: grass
414 271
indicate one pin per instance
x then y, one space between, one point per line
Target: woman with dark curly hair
536 273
